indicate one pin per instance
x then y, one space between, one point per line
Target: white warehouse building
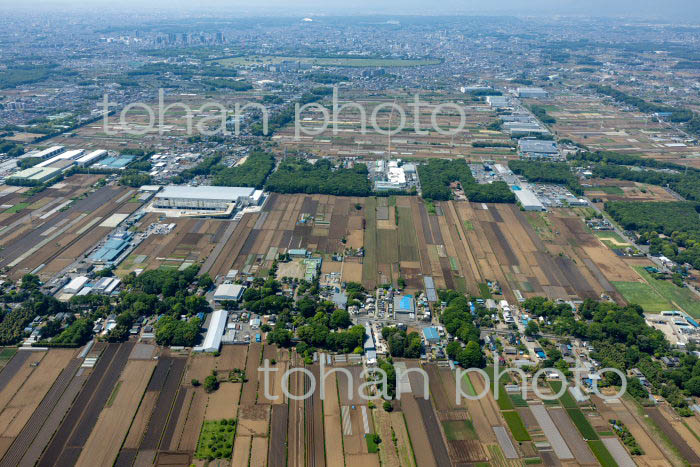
215 331
529 200
91 157
205 198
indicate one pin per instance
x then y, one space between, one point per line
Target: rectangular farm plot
550 430
576 443
106 438
332 424
505 442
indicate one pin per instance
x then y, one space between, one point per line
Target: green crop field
643 295
566 400
216 439
484 291
372 444
408 243
459 430
518 400
461 284
453 263
387 243
17 208
516 426
7 353
603 234
681 296
582 423
602 454
468 386
504 401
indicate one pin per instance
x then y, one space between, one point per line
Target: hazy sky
682 10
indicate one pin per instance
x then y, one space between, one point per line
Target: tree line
678 221
437 174
295 175
547 172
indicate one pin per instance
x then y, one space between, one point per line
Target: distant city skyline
687 11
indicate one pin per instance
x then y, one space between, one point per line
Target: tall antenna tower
391 117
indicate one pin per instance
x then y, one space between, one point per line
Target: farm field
102 446
58 224
462 440
23 394
74 431
590 120
348 139
623 190
460 245
683 298
643 295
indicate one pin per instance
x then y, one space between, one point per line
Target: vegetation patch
252 173
17 208
583 425
7 353
300 176
237 376
518 400
459 430
113 396
373 440
437 175
643 295
216 439
468 386
602 454
516 426
566 400
681 296
484 291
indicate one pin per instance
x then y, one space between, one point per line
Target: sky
679 10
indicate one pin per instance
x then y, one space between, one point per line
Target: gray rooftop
534 145
223 193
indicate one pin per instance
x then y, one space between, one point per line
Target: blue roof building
431 335
404 304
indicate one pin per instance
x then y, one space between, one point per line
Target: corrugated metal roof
223 193
431 334
217 324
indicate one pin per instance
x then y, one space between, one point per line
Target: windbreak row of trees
437 175
677 115
678 221
547 172
683 180
252 173
300 176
